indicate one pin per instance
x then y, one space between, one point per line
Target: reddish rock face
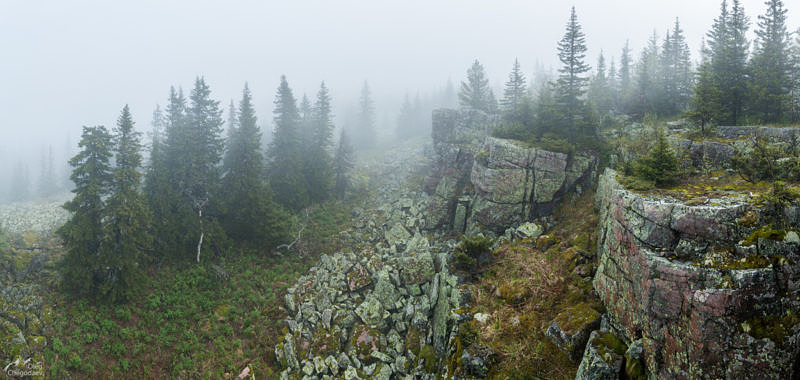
695 321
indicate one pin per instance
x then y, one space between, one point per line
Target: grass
187 323
542 285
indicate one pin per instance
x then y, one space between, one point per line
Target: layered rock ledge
480 182
679 281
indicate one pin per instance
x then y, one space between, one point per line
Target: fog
71 63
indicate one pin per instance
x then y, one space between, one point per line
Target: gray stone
529 230
370 311
478 359
596 367
791 237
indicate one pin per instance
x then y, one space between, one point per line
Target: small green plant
660 166
470 249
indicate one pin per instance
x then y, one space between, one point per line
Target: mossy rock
364 340
413 343
325 342
428 357
576 318
773 327
765 232
608 345
358 278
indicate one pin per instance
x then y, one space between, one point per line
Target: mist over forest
400 189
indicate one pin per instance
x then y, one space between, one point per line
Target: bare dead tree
289 246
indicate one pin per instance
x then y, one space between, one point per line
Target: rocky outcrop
739 132
681 279
480 182
705 154
514 183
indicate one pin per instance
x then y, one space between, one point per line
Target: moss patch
608 343
765 232
576 317
773 327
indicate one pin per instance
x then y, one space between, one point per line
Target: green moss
576 317
608 343
514 291
765 232
413 341
634 368
325 343
772 327
468 332
428 355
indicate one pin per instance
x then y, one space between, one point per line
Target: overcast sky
68 63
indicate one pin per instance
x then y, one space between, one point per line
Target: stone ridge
479 182
664 286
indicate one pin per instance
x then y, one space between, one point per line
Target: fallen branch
289 246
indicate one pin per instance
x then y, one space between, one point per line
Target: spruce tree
474 93
770 84
126 215
727 53
82 268
660 165
285 151
703 108
647 81
167 155
571 83
599 90
343 162
405 119
319 173
250 216
233 124
625 79
306 126
365 128
514 91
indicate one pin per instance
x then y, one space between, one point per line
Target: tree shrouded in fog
317 167
342 164
284 153
250 213
475 92
571 108
127 217
514 91
82 268
771 65
365 124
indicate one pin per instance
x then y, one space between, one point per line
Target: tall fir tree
250 215
572 80
475 92
703 107
405 119
318 170
285 151
647 79
81 267
126 214
676 69
514 91
770 85
600 94
201 185
306 126
343 163
232 126
625 80
365 128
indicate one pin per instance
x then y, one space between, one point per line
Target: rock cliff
480 182
680 282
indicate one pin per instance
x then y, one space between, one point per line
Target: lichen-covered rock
600 362
417 268
675 276
478 359
571 328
